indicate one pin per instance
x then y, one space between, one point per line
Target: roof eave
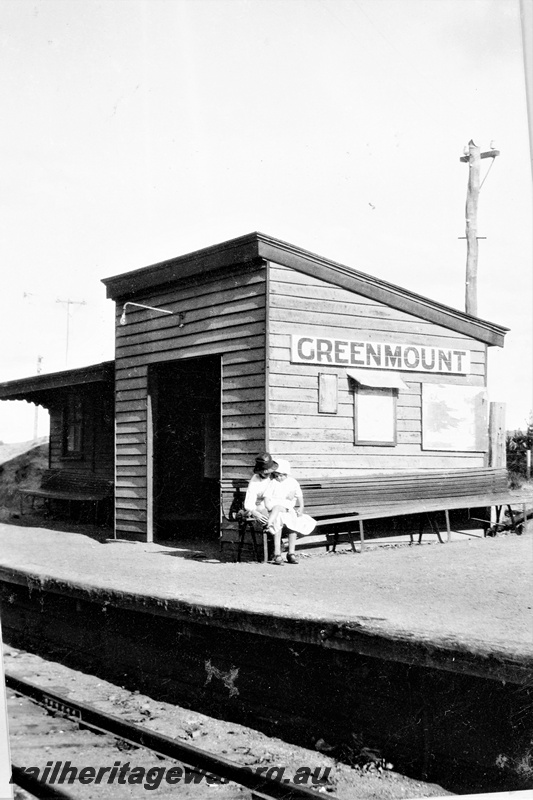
37 385
235 251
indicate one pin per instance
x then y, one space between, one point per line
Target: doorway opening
186 420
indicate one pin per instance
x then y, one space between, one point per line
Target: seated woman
254 498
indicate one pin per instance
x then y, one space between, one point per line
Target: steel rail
187 754
35 787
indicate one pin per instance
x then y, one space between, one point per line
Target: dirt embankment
21 466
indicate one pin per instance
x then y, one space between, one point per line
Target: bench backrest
65 480
384 488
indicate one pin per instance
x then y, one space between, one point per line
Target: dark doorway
186 435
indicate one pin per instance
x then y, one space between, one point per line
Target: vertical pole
472 197
149 467
36 415
6 787
497 455
68 303
528 464
497 443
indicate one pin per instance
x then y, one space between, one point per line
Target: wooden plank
203 310
292 420
137 428
244 421
300 297
247 381
165 327
337 321
128 383
201 342
130 504
317 435
138 481
252 446
243 395
252 355
132 471
138 405
136 517
497 435
239 409
127 492
138 448
331 465
239 347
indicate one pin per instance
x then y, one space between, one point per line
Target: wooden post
497 454
472 196
149 468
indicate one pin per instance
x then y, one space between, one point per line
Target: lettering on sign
378 355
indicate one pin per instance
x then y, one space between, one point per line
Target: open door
186 411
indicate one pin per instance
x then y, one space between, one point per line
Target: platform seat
342 504
71 486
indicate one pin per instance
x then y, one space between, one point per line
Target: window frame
73 422
369 391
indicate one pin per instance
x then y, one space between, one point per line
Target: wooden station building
255 344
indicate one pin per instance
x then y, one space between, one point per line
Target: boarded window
375 416
327 393
376 395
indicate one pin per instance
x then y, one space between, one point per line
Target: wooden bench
70 486
343 504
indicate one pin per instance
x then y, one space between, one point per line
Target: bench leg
350 536
435 525
421 521
254 541
242 533
448 529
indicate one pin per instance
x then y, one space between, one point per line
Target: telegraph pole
473 160
69 303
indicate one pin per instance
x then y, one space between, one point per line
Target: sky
134 131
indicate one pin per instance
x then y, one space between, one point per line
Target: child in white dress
281 497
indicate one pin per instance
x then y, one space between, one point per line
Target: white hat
283 466
303 525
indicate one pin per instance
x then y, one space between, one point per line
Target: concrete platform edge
358 636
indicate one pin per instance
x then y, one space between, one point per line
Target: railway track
60 725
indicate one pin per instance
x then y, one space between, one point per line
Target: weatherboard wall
323 444
97 454
219 313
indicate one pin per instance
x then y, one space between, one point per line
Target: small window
73 426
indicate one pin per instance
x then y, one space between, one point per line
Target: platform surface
472 595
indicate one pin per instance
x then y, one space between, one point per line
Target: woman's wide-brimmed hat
263 462
283 466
